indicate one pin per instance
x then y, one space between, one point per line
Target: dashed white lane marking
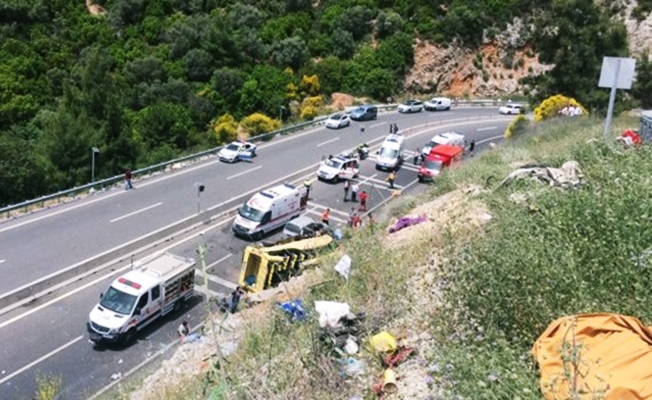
1 261
244 172
328 141
45 357
135 212
378 124
486 128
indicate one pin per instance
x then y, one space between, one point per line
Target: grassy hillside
472 288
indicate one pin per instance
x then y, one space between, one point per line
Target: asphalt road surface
46 338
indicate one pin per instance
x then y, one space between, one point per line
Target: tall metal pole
93 166
201 251
612 100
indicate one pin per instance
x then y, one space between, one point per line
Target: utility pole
201 252
95 150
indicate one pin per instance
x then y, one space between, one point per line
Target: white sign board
611 67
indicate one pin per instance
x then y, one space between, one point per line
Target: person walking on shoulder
128 176
391 178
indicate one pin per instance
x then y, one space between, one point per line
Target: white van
449 138
438 104
270 209
390 155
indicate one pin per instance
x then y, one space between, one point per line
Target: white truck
139 297
269 210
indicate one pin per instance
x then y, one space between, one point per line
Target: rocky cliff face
494 69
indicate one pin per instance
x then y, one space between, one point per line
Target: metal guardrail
104 183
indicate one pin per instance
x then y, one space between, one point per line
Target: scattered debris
595 355
295 309
351 346
117 376
354 366
406 221
630 138
331 313
383 342
344 266
568 176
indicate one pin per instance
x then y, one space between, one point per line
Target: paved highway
47 337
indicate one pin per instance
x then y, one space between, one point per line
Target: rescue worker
391 178
417 152
326 216
347 186
307 183
363 200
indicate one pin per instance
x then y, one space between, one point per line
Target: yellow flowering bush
257 123
226 128
551 107
518 126
310 85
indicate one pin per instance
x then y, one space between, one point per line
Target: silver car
337 121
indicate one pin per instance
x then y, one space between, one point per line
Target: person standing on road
472 146
363 201
347 186
355 188
326 216
391 178
307 185
128 176
417 153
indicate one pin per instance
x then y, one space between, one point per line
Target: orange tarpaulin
605 356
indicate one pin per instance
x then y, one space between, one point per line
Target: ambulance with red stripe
270 209
134 300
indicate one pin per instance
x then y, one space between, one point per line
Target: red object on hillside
633 136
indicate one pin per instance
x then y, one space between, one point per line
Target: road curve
71 233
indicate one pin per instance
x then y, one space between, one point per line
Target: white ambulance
448 138
137 298
270 209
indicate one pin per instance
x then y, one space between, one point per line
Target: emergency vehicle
270 209
343 166
139 297
440 157
450 138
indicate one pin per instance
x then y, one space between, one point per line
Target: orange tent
605 356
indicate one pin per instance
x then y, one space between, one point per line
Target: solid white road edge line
100 279
328 141
244 172
135 212
490 139
33 363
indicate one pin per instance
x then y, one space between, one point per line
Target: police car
236 151
343 166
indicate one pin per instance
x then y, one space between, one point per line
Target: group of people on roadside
571 110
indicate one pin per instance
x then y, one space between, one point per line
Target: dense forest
148 80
